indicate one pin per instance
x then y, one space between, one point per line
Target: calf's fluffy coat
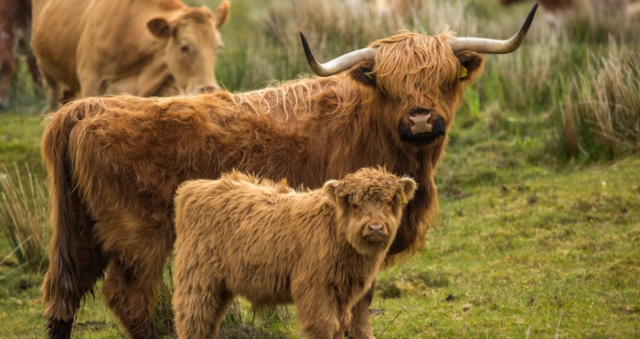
319 249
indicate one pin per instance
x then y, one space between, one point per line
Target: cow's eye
354 206
184 48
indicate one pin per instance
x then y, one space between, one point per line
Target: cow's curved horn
338 64
490 46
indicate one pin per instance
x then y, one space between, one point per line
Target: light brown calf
320 249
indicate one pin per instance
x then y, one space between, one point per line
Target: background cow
557 11
15 33
143 48
114 163
238 235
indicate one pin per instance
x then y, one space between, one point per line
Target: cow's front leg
360 327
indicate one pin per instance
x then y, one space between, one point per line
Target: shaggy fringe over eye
409 65
368 183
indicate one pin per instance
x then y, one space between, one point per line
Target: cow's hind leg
36 77
62 301
7 67
132 284
52 90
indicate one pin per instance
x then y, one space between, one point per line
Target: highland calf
320 249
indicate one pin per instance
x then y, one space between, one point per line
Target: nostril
208 89
422 112
375 228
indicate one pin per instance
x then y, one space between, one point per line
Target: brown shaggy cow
241 236
557 11
115 163
15 33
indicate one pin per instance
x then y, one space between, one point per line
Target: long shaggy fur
240 235
114 163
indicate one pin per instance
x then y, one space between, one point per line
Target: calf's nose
376 229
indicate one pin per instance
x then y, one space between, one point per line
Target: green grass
539 233
20 136
521 251
540 252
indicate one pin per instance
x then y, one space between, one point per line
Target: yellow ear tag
369 75
404 198
463 71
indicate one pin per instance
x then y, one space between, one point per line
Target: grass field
539 232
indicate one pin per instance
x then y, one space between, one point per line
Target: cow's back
72 38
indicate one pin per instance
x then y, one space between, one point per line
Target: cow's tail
61 288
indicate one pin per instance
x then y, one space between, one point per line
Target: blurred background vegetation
539 190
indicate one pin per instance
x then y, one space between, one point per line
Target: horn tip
307 49
528 21
532 12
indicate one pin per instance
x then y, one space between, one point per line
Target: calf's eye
184 48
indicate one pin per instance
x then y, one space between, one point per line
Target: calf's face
369 208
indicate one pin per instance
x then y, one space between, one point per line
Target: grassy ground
519 251
531 243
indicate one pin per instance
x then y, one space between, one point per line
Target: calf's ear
408 188
222 13
160 28
471 64
330 188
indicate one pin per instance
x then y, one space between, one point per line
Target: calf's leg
360 327
199 306
318 317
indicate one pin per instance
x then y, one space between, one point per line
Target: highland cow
114 163
241 236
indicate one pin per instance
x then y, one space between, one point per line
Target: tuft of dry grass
601 116
595 21
24 218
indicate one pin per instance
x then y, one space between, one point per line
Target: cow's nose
375 229
421 120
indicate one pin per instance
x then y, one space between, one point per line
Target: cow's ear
330 189
222 13
363 73
408 189
471 64
160 28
